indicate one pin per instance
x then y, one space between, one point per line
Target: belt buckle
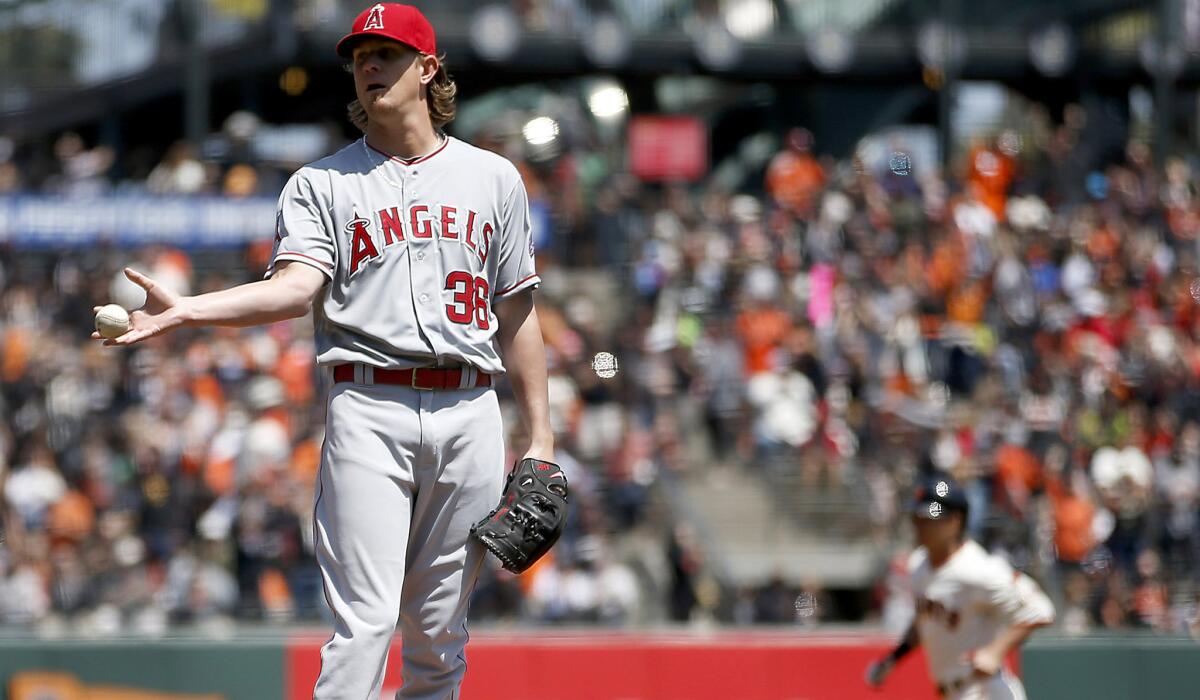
419 387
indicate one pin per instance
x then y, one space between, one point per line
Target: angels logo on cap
375 19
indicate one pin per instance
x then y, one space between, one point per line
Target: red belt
424 378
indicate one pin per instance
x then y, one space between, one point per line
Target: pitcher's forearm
250 304
289 293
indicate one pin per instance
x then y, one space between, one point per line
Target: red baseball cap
391 20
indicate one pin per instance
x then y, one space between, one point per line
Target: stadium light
716 47
293 81
748 19
540 131
608 101
495 33
941 46
1154 59
830 50
542 142
1052 50
606 41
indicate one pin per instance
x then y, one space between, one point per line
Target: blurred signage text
663 148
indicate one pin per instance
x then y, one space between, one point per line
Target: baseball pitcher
972 608
413 251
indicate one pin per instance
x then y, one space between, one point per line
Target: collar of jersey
411 161
957 551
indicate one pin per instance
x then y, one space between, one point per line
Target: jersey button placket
423 271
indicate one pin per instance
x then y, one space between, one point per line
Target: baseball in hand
112 321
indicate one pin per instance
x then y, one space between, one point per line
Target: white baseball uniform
961 606
417 252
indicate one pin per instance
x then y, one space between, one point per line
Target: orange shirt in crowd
990 173
16 351
274 592
72 517
1103 244
220 475
1183 222
945 269
761 331
294 371
1073 515
966 304
305 461
1150 601
206 388
794 179
1018 471
175 259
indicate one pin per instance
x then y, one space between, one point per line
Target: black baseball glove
531 515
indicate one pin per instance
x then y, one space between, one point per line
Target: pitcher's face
388 76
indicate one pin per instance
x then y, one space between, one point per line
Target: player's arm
520 341
288 293
1023 605
878 671
988 659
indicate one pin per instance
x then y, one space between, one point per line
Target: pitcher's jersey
963 604
417 252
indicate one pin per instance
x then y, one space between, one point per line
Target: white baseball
112 321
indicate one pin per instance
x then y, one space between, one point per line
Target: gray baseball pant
404 474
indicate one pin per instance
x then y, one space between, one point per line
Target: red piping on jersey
409 161
514 286
325 265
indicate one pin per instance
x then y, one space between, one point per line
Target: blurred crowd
1027 322
230 163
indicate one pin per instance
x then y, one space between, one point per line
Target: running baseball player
413 251
972 608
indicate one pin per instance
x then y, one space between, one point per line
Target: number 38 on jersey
470 299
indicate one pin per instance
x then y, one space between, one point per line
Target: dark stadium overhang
885 52
48 111
1013 15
